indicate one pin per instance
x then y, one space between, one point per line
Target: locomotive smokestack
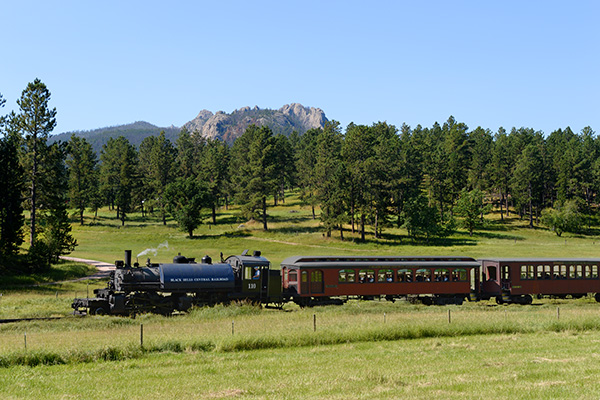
128 258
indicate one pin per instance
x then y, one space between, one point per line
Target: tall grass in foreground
245 328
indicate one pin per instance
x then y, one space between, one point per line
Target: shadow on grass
492 235
291 218
233 234
44 281
291 230
393 239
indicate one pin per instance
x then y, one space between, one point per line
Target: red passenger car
515 280
312 280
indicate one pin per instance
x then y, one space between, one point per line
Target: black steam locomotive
165 288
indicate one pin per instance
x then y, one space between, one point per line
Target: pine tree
285 170
527 181
11 180
411 168
357 150
55 227
470 205
305 155
436 176
214 172
254 171
35 121
189 150
481 158
118 174
157 164
185 198
501 168
456 147
331 179
83 174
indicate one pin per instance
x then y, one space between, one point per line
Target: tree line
366 178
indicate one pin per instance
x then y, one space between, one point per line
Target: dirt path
103 269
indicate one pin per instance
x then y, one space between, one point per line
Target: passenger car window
423 275
404 275
441 275
366 276
346 276
385 275
459 275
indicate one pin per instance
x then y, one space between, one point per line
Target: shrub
564 218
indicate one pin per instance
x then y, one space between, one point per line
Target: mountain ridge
228 127
219 125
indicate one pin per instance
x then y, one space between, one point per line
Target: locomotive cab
255 280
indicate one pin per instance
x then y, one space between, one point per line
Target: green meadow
373 350
293 231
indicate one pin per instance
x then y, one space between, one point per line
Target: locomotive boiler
167 287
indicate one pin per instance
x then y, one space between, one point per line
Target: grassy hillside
292 231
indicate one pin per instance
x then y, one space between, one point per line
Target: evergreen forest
361 179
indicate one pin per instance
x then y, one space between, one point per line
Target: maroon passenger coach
515 280
315 280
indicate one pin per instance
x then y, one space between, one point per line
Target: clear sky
532 64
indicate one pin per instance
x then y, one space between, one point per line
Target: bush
565 218
38 257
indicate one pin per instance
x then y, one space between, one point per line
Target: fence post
232 328
314 322
557 312
142 336
449 317
25 339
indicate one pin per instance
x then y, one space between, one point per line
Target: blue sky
487 63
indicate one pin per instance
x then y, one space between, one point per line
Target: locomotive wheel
499 300
98 311
597 297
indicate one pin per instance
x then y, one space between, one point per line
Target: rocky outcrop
228 127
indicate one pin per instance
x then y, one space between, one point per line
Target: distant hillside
228 127
223 126
135 133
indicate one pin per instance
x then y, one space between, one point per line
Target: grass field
545 366
359 350
293 231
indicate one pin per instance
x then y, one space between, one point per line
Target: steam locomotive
177 286
321 280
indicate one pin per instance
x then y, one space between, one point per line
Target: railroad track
12 320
